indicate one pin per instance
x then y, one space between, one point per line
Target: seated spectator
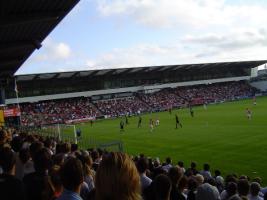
72 179
207 192
117 178
254 191
11 188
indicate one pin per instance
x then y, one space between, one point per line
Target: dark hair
168 160
255 188
35 147
206 167
193 165
231 189
42 160
192 184
217 173
7 159
16 143
74 147
162 187
175 174
181 163
24 155
243 187
72 173
142 165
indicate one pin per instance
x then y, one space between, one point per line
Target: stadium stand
75 109
45 168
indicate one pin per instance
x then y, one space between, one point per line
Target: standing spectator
117 178
35 182
254 191
162 187
11 188
167 165
72 179
206 171
142 166
175 174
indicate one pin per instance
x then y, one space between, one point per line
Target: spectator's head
35 147
24 155
16 143
206 167
193 165
192 184
162 187
231 189
181 164
175 174
42 160
72 174
142 165
74 147
207 192
255 188
199 178
168 160
66 148
183 183
7 160
117 178
243 187
217 173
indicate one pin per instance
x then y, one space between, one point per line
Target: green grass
221 136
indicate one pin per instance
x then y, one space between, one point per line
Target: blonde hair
117 178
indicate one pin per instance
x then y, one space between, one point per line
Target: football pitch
221 136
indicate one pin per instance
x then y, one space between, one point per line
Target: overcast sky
133 33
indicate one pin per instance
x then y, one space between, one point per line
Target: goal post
64 132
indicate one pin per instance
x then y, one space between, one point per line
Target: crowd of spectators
122 106
60 111
33 167
57 111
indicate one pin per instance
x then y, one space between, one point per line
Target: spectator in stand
207 192
192 187
167 165
243 187
175 174
181 165
142 167
206 172
35 182
192 170
162 187
72 179
254 191
117 178
11 188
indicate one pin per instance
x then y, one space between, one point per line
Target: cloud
194 13
53 51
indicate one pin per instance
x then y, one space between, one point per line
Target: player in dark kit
126 120
121 126
177 121
191 111
139 121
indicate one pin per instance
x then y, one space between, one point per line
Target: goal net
63 132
